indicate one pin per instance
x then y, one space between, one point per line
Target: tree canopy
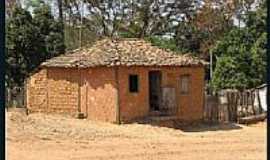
241 54
41 29
29 41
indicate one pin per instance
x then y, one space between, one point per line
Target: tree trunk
61 19
60 11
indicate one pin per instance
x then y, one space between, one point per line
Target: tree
164 43
211 20
188 37
240 60
61 19
256 20
227 74
10 4
241 55
50 31
30 41
137 18
21 46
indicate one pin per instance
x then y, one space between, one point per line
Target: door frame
159 96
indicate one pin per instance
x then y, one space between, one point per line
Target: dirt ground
48 137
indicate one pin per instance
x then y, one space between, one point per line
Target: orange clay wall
99 94
190 106
135 105
36 93
56 90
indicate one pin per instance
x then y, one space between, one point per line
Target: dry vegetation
45 137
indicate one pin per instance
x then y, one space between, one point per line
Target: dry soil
55 137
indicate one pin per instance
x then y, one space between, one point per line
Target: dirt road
47 137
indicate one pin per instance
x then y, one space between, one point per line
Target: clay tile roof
125 52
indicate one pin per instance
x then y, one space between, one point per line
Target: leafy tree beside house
50 31
241 54
29 41
21 46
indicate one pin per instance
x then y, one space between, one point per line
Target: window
184 84
133 83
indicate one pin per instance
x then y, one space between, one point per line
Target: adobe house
119 80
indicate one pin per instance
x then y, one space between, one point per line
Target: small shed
118 80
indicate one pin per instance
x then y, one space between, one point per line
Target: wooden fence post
235 106
259 101
228 106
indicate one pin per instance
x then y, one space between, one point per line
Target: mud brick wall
37 91
63 90
197 88
56 90
133 105
99 94
190 106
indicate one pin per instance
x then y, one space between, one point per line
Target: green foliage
258 52
164 43
33 3
227 74
241 55
256 21
30 41
126 35
72 37
21 46
188 37
50 32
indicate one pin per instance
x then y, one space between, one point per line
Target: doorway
155 90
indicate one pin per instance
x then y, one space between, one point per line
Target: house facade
118 81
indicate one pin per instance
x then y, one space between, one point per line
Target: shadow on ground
191 127
171 122
202 127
